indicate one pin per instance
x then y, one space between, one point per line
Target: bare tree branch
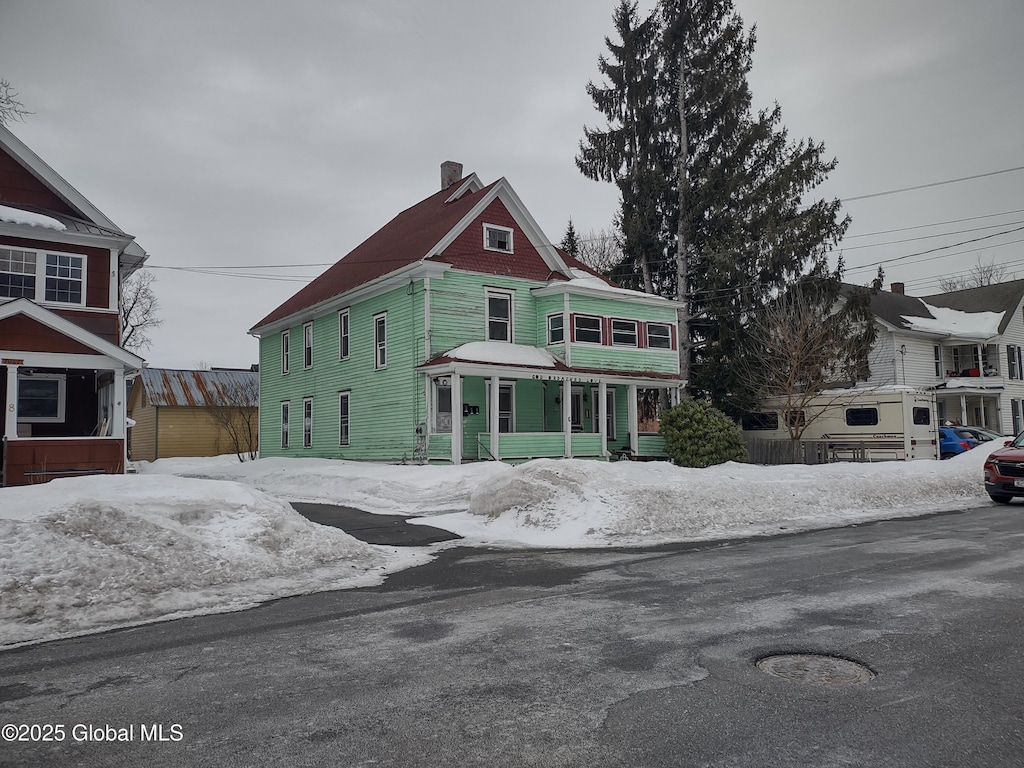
10 108
139 307
801 347
980 275
236 413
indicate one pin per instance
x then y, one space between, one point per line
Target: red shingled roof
406 240
400 242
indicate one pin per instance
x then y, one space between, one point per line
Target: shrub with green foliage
699 435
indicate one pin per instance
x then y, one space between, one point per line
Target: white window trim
286 422
660 325
307 435
503 294
499 228
342 438
576 329
547 324
344 334
512 397
40 293
62 395
378 344
636 333
307 345
286 351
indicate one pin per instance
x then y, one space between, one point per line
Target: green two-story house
458 332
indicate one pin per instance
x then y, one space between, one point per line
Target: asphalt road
614 658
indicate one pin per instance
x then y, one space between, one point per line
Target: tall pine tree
732 197
627 151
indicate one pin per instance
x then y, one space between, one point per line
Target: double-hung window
307 345
499 316
587 329
659 336
624 333
344 418
497 238
380 340
57 278
556 329
285 351
343 334
307 422
285 416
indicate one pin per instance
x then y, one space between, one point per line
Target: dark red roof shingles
405 239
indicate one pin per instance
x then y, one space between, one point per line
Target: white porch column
602 415
118 408
633 420
492 415
567 417
963 408
11 406
456 418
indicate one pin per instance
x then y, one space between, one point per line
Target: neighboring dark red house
62 369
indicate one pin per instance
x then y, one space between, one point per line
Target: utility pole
682 243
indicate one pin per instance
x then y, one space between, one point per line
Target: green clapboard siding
385 405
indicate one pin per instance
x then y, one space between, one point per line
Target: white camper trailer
866 424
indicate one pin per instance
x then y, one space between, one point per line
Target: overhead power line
932 184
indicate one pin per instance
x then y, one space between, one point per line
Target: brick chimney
896 288
451 173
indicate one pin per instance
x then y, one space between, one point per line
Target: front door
577 409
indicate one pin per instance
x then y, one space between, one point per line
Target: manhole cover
816 669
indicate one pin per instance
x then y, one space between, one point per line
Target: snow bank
84 554
587 504
381 488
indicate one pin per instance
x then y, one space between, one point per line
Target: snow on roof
18 216
504 353
953 322
582 279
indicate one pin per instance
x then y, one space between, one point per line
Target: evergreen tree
627 152
732 196
570 242
748 231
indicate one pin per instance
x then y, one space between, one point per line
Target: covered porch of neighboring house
500 412
970 403
64 408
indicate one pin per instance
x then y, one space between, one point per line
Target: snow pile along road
590 504
409 489
82 554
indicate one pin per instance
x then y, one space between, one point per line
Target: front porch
970 407
60 421
509 413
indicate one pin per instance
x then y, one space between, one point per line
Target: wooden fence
760 451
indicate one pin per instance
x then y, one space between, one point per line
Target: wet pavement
389 530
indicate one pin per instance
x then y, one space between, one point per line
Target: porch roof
513 366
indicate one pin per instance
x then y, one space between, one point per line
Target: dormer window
497 238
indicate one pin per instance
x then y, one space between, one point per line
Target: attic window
497 238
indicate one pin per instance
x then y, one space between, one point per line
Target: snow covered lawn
193 536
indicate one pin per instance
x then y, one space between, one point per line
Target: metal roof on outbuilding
199 389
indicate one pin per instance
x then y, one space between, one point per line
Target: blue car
954 440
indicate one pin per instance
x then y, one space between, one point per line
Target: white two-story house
967 346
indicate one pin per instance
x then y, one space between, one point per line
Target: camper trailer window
760 421
861 417
922 416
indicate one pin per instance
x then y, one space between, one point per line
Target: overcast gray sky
247 132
